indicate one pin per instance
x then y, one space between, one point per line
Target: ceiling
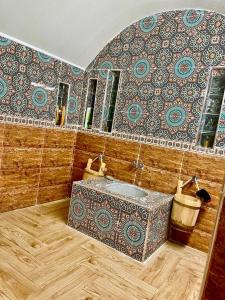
76 31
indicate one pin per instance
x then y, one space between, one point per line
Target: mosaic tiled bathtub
135 226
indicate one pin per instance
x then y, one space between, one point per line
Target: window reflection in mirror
212 109
114 76
62 100
91 96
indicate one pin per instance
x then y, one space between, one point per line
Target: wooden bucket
185 212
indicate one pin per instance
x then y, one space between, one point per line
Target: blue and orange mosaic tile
29 83
165 60
135 227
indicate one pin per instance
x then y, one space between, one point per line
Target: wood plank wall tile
207 167
57 157
19 177
1 151
161 158
206 219
23 137
59 139
120 169
200 240
123 150
211 171
162 168
2 126
20 158
81 157
36 161
55 176
53 193
157 180
20 166
56 166
118 155
90 143
19 197
119 158
207 216
77 174
87 146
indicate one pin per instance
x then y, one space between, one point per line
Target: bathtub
123 216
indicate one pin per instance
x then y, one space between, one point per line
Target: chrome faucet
138 165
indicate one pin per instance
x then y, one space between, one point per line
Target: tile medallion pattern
29 83
165 60
134 226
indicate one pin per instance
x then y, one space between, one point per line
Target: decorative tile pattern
132 226
29 83
217 151
165 60
119 222
156 236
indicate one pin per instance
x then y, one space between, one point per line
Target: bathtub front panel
118 222
158 229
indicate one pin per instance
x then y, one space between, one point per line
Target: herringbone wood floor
42 258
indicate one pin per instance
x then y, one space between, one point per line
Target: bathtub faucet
138 165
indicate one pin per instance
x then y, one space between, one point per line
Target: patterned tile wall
117 222
29 83
156 236
35 165
165 60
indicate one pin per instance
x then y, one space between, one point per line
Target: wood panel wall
35 165
163 168
215 282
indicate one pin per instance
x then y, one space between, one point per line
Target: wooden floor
42 258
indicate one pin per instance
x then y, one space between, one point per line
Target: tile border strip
149 140
7 119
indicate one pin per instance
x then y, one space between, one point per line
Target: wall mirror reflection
91 96
62 100
111 98
212 109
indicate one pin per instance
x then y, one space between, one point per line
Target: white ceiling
76 30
